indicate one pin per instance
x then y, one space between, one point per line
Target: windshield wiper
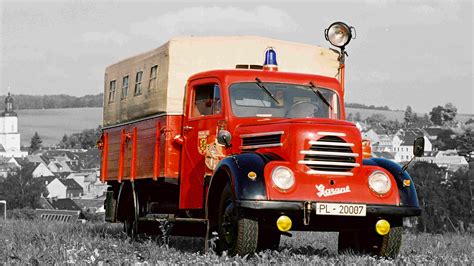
260 84
317 92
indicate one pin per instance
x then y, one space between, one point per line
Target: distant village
398 146
72 178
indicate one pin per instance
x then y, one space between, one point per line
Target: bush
22 214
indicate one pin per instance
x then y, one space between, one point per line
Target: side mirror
224 138
419 147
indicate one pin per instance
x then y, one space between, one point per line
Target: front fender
238 168
408 196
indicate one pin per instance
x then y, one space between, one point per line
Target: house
384 154
64 188
37 158
403 145
433 132
38 170
59 166
380 138
60 155
449 159
89 159
93 187
91 205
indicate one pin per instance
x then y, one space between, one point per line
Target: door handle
187 128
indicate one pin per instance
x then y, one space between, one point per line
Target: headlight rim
379 193
275 184
349 33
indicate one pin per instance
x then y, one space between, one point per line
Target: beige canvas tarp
182 57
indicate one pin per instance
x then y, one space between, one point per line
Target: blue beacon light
270 63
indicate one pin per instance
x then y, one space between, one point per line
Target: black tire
369 242
268 237
128 207
237 235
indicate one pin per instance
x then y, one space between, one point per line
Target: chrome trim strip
329 153
337 134
316 172
328 163
327 143
261 134
261 146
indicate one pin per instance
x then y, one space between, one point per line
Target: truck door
200 126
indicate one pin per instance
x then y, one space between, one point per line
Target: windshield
283 100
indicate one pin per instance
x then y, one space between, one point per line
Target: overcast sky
416 53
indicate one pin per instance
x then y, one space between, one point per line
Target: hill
23 102
52 124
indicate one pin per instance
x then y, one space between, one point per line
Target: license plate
341 209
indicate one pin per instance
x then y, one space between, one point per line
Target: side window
153 77
138 83
207 100
112 91
124 87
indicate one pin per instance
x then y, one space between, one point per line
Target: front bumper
290 206
305 218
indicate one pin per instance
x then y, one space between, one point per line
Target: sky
416 53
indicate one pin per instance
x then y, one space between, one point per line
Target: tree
35 143
459 200
465 143
428 179
64 143
350 117
376 119
436 115
21 190
442 115
409 117
450 112
357 117
87 139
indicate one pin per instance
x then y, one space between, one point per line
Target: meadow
41 242
52 124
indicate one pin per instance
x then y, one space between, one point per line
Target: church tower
9 135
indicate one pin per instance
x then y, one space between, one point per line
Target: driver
303 109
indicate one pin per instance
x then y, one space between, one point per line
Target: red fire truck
199 134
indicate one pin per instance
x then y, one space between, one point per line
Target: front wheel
369 242
237 235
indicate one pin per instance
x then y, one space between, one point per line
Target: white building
403 146
9 136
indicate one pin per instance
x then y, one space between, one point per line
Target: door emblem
202 141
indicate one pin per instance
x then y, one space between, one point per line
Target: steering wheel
302 109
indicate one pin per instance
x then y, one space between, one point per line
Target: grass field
52 124
33 242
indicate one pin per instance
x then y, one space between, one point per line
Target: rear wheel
369 242
237 235
128 208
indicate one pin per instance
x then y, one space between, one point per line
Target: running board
171 218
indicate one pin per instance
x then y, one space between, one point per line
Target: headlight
339 34
283 177
379 182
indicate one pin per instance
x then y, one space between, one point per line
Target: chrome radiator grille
330 155
261 140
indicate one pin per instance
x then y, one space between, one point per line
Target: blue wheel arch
238 168
408 196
